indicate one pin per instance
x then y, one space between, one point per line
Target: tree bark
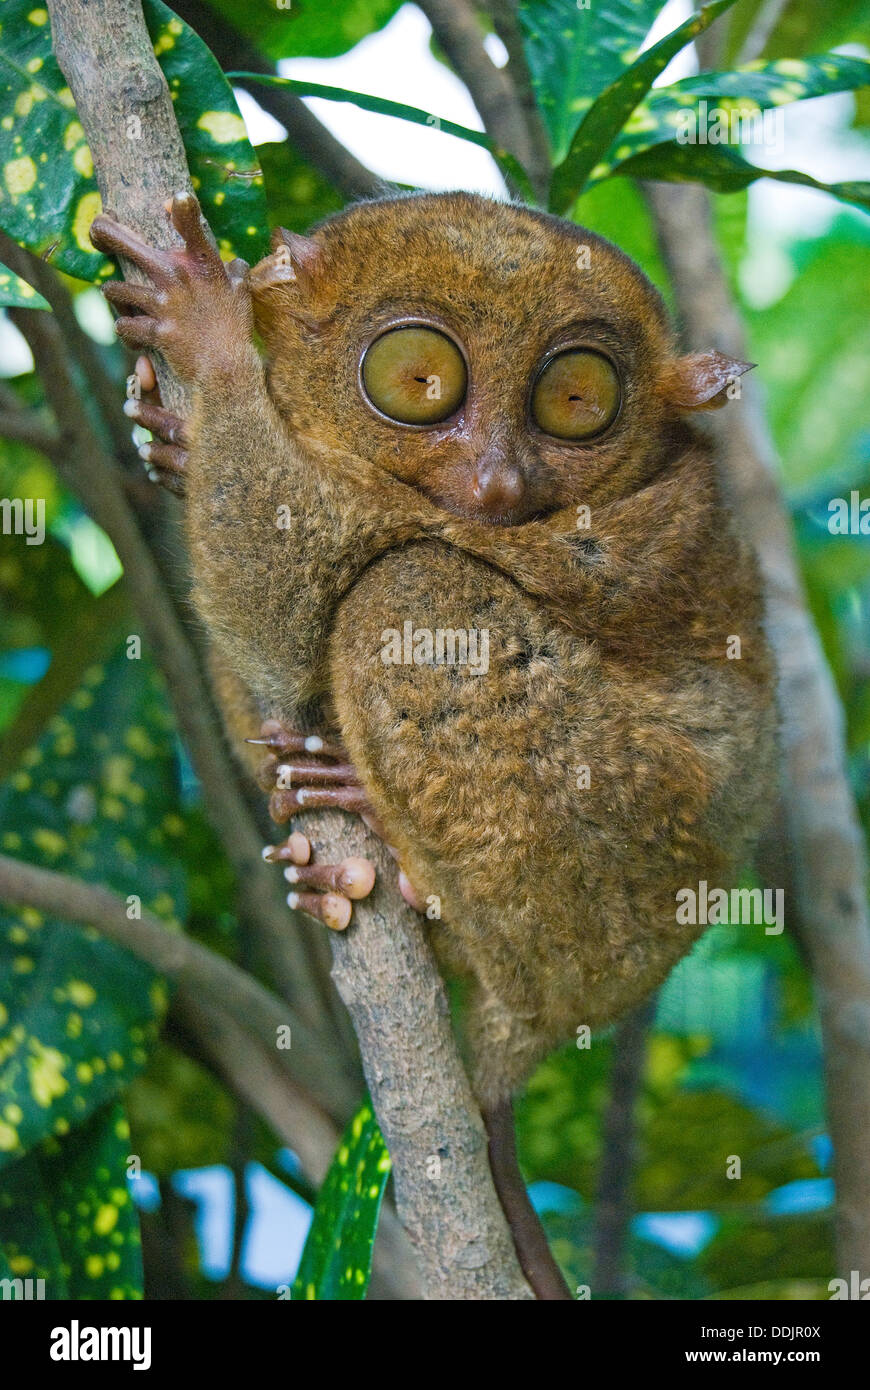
383 966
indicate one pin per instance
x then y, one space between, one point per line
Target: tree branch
455 26
828 903
383 966
28 427
201 975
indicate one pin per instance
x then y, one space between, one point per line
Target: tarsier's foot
165 455
333 888
307 772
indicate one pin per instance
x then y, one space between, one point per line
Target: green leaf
337 1258
574 53
509 166
307 28
16 293
95 798
606 118
775 83
297 194
48 193
66 1215
672 114
725 171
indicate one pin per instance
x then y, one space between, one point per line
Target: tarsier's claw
276 735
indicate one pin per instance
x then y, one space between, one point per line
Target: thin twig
610 1278
29 427
455 26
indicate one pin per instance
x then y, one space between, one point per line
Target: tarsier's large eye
576 395
414 375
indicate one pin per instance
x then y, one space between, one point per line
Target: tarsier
472 420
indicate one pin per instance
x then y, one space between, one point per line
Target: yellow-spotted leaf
96 798
576 51
608 115
739 109
48 193
16 293
67 1218
337 1260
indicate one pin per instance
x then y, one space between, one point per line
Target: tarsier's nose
498 485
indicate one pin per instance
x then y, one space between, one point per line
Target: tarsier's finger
296 848
170 428
116 240
188 222
315 774
274 734
123 294
138 332
286 803
353 877
330 908
167 457
170 481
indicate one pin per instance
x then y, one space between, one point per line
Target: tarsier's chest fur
555 804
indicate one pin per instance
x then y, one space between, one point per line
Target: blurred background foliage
732 1060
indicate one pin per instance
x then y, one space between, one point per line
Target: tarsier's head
504 362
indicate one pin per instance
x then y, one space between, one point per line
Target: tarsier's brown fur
611 644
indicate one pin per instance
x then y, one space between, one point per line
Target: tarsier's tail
533 1251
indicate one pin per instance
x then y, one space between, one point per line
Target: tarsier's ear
700 381
294 260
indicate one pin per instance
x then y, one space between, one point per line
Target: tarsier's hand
197 310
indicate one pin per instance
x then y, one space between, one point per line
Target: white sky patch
397 63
